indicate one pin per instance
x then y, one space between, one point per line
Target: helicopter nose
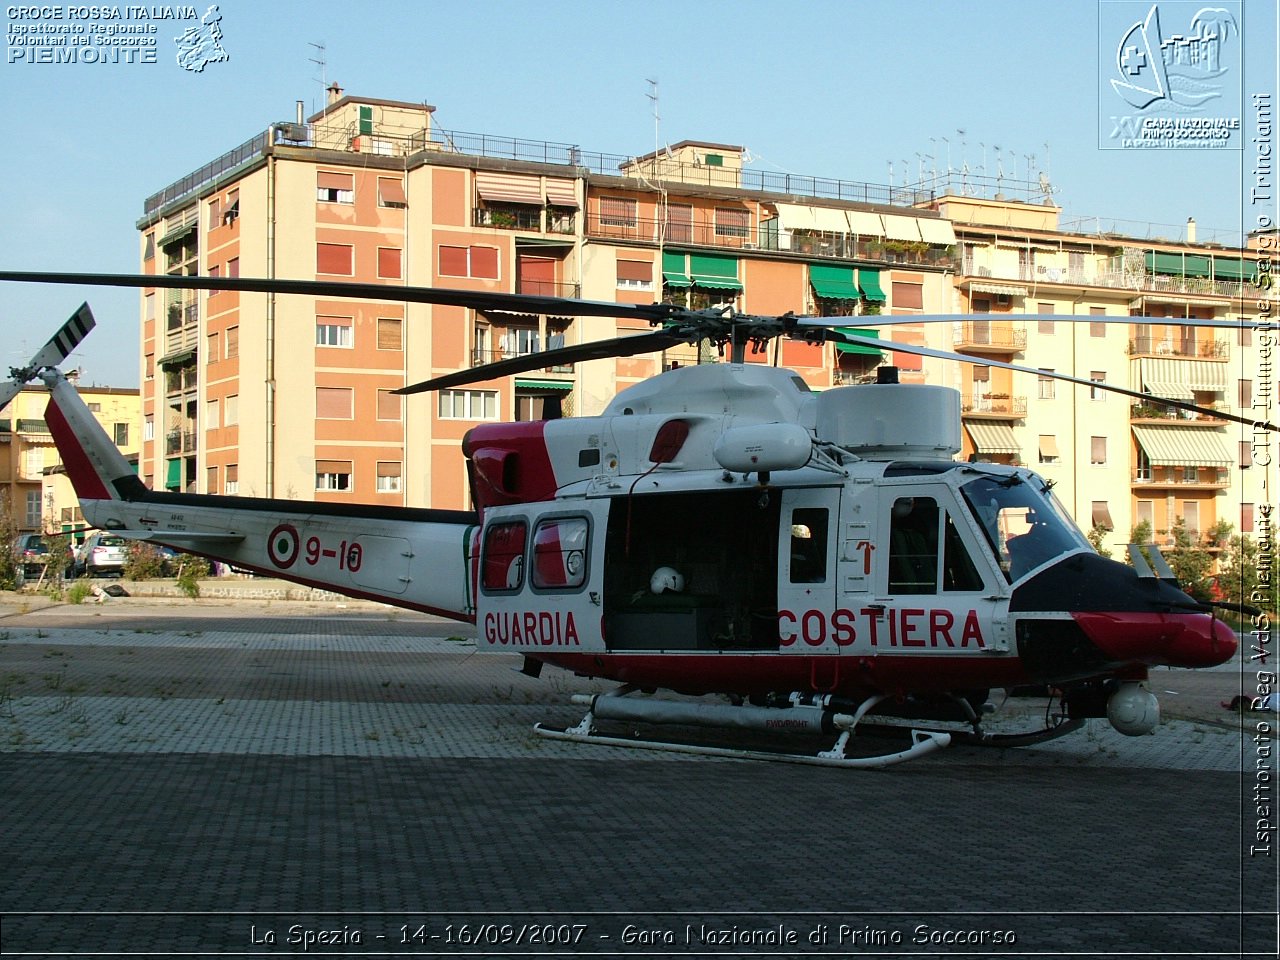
1160 639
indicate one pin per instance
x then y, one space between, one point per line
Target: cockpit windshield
1025 526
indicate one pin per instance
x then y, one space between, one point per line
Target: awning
177 359
1174 446
833 281
900 228
1179 379
869 284
864 224
522 384
858 348
675 269
936 231
173 474
173 236
992 437
1001 289
561 192
1232 269
1048 445
505 188
821 219
718 273
1178 264
1102 515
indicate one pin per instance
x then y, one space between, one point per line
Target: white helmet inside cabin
666 578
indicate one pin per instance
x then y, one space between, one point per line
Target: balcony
1157 413
993 406
179 380
480 357
1176 478
528 219
178 442
990 336
1183 349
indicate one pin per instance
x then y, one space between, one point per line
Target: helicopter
815 560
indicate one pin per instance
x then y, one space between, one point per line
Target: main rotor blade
598 350
442 296
895 319
66 339
1094 384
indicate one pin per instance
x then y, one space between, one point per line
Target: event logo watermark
1169 75
112 34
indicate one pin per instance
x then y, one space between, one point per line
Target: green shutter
675 269
173 474
366 119
858 348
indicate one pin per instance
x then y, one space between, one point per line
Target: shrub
192 571
145 562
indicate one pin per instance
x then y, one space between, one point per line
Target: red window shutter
389 261
333 403
335 258
453 261
484 262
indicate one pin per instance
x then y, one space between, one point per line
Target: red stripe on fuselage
88 484
1167 639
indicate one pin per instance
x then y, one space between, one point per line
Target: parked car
33 554
103 554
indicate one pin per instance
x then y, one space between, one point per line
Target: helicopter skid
802 718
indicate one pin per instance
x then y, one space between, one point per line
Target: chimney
298 112
335 93
1191 229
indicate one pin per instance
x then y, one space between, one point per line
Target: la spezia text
480 934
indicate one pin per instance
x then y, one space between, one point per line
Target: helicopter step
800 717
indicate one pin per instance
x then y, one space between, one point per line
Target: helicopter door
807 570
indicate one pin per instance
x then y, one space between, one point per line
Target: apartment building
40 499
290 396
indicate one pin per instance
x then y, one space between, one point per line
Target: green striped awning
869 283
833 281
523 384
710 270
1175 446
675 269
1232 269
858 348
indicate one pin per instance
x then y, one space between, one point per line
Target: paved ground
230 778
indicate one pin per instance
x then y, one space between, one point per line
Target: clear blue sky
833 89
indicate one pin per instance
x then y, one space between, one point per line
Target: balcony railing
179 441
1139 283
1154 411
1166 347
1205 477
480 357
993 405
991 336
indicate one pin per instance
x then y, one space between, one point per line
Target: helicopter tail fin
96 467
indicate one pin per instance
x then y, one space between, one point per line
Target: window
214 352
389 405
478 262
1097 376
1246 454
334 403
1101 515
1046 385
913 546
502 562
468 405
909 296
333 476
120 434
1097 328
212 418
150 301
635 275
733 222
388 477
1145 513
560 553
391 192
1048 448
233 267
233 342
390 263
1246 518
149 428
390 333
679 222
809 545
334 332
1191 516
151 365
231 410
1045 326
1244 391
1144 466
232 478
149 247
335 258
335 188
33 508
1098 450
618 212
1244 336
211 480
1190 474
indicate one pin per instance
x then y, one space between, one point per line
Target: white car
103 554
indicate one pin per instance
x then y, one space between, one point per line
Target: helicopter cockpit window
1024 527
502 566
958 571
913 546
560 553
809 545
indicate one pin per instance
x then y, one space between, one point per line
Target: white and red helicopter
812 558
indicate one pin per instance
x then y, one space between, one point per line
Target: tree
1241 574
1096 535
9 568
1189 561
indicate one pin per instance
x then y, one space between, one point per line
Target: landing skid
802 717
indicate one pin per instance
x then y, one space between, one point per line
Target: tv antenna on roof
320 61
